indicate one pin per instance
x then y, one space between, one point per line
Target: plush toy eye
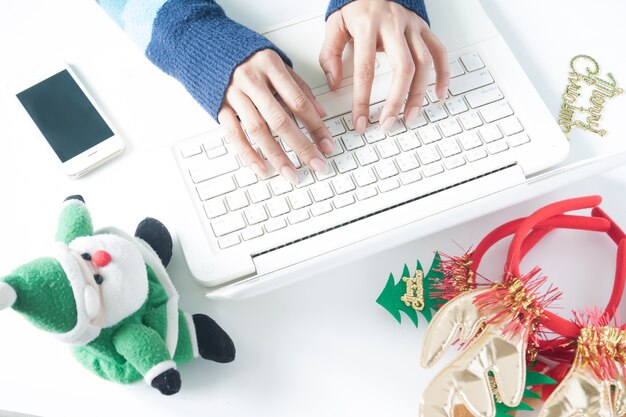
98 279
86 256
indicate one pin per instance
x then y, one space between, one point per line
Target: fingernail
327 146
319 166
411 116
360 125
257 169
330 78
443 93
290 174
386 125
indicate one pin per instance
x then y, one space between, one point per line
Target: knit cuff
415 5
201 47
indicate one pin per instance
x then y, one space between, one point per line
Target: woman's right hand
254 96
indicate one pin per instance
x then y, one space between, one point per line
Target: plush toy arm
74 220
143 348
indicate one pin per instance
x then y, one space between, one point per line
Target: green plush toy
108 295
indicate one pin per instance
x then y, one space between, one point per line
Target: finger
286 128
237 138
401 60
335 39
417 91
307 90
441 61
258 131
364 64
303 108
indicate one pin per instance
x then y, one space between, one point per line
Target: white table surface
320 347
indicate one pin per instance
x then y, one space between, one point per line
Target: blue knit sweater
196 43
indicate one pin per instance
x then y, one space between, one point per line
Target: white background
321 347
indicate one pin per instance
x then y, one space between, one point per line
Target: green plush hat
108 294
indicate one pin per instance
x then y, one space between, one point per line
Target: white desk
321 347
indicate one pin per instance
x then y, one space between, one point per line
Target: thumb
7 295
335 39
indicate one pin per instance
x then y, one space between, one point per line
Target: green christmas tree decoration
411 294
534 380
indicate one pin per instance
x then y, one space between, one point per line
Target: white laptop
474 153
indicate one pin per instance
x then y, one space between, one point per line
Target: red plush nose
101 258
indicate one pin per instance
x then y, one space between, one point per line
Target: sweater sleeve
192 40
417 6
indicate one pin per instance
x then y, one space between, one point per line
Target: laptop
471 154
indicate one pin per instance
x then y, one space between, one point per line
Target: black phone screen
64 115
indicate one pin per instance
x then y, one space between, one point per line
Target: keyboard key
432 170
386 169
408 141
321 208
410 177
228 224
518 140
335 126
449 147
366 192
366 156
490 133
258 193
321 191
236 200
255 214
373 133
432 95
428 155
228 241
494 111
215 208
456 68
470 81
456 106
215 187
364 176
470 120
251 232
387 148
329 174
273 225
497 147
300 199
388 185
429 134
470 140
407 162
245 177
472 61
280 185
352 141
454 162
215 168
285 145
294 159
396 128
188 151
348 121
305 177
484 96
450 127
337 149
277 206
375 111
476 154
215 152
419 122
345 163
343 200
212 142
435 112
298 216
511 126
343 184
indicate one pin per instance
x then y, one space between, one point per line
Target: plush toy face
114 275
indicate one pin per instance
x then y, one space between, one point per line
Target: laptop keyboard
474 123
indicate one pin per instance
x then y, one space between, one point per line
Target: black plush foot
213 342
168 382
155 234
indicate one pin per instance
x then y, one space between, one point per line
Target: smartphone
68 118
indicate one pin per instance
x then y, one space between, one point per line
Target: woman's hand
410 45
256 94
